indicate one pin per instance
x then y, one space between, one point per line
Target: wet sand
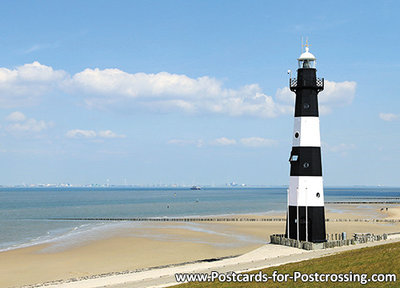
157 244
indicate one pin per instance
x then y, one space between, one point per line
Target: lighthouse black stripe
306 103
316 223
306 77
305 161
306 93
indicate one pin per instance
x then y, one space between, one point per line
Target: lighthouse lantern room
306 59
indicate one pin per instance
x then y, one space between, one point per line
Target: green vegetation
378 259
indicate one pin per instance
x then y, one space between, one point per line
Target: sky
193 92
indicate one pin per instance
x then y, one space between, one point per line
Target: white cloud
388 116
253 142
22 86
285 95
23 125
41 46
79 133
115 89
16 117
257 142
109 134
223 141
33 48
337 94
37 73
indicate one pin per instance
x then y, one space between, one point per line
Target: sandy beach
136 247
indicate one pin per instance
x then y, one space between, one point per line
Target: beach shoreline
170 243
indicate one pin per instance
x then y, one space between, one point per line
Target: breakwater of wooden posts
362 202
217 219
332 240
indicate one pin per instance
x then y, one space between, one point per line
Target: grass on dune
371 260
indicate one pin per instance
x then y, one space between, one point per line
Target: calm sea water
25 212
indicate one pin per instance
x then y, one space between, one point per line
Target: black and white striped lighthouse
305 215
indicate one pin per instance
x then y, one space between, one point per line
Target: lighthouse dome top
307 55
307 60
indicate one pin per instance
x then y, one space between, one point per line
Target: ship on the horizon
195 188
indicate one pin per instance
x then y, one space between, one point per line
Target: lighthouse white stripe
303 191
308 132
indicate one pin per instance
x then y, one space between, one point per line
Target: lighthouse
305 214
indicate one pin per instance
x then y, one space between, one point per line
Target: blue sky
193 92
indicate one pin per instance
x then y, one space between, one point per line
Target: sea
30 216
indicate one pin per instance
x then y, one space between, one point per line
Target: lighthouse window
296 135
306 105
318 195
306 165
306 64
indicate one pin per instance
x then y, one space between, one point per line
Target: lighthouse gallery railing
319 83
